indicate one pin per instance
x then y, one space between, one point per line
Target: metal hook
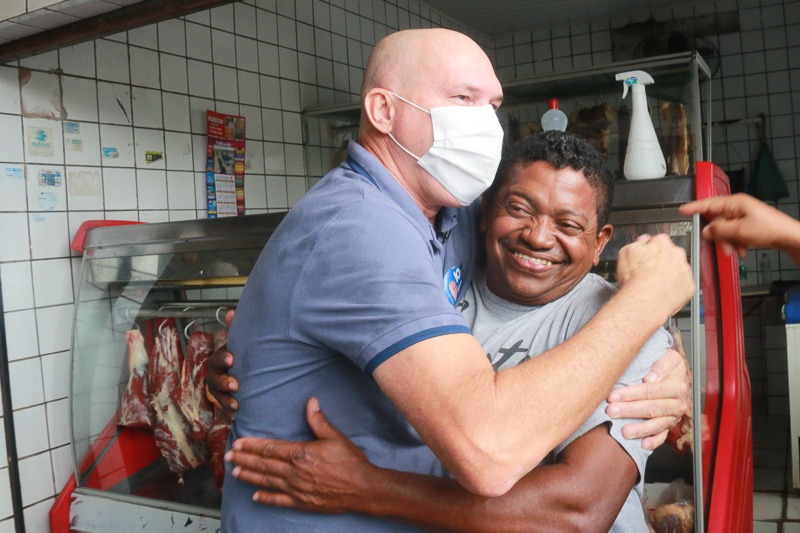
126 314
189 325
216 315
161 326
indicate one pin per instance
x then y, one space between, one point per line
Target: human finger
320 424
270 448
651 443
275 499
671 389
229 318
728 206
653 408
261 476
648 429
665 367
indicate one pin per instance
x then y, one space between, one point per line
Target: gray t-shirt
511 334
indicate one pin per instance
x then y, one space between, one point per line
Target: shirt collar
381 178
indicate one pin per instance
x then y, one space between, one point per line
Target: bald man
349 301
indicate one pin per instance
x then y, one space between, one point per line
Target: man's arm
469 416
740 221
584 491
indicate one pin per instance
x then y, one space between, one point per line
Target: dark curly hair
560 150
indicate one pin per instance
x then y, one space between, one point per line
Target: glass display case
716 461
142 286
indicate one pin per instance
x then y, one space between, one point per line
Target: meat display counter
151 297
713 465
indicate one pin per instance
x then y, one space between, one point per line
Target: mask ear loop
403 148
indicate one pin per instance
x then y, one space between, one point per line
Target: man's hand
662 399
655 271
218 383
740 221
321 476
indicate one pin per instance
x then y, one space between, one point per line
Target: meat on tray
134 409
190 396
173 433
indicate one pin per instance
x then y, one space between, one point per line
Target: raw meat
173 434
134 409
674 518
676 138
190 396
217 440
593 124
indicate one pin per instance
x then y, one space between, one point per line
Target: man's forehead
540 178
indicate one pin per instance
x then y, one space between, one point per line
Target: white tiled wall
760 73
148 89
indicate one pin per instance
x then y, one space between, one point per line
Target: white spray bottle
643 159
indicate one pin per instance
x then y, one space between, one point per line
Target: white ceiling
503 17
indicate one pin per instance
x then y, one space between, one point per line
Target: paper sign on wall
225 165
40 142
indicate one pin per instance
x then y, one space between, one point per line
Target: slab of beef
173 433
220 428
134 409
217 440
190 396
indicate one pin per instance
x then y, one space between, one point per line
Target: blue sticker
110 153
452 284
72 128
14 172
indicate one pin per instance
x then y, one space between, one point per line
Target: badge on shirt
452 283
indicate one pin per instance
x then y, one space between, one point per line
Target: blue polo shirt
354 274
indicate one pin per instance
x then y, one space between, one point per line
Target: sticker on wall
72 128
49 178
152 157
84 183
47 200
73 145
15 172
110 153
40 142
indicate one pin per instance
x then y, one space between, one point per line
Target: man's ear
379 109
603 236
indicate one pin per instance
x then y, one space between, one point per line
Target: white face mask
467 145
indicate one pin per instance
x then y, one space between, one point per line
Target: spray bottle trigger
624 89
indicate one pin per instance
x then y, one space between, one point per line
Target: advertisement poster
225 165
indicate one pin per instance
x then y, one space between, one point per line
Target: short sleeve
372 287
653 349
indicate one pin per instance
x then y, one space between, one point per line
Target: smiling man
348 300
545 223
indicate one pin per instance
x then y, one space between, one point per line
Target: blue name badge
452 283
